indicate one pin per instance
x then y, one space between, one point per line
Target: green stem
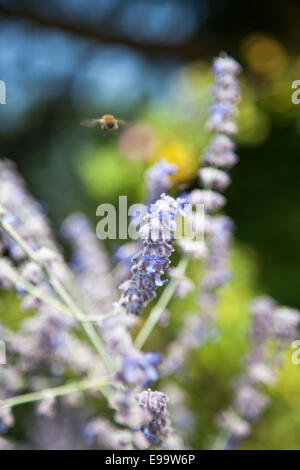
18 281
62 293
161 305
72 387
89 329
36 292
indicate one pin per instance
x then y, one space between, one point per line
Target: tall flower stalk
273 329
218 229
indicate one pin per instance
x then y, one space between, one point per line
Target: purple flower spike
153 259
139 368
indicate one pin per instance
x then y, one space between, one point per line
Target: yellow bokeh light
264 54
182 155
254 125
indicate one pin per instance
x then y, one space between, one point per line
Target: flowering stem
62 293
18 281
156 312
72 387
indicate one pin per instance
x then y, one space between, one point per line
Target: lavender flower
221 152
158 179
269 323
262 309
217 179
261 373
285 323
158 428
250 403
212 201
233 424
139 368
224 64
220 159
153 260
226 93
147 418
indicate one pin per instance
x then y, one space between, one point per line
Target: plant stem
72 387
18 281
62 293
89 329
160 306
36 292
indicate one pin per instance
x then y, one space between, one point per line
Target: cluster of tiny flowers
139 368
132 416
226 93
220 154
146 418
157 182
219 231
270 324
157 428
218 157
153 260
157 179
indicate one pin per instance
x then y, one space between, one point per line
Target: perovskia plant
102 357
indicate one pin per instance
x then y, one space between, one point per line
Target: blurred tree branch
191 50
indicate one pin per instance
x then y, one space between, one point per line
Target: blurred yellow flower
178 152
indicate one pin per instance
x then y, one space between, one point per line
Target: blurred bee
107 123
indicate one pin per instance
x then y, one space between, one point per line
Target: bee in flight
107 123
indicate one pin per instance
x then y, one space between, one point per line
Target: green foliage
10 312
106 174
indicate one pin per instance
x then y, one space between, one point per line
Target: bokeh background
148 61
